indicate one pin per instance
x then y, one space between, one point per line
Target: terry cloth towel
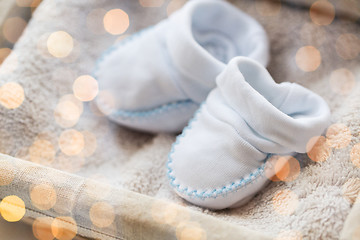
157 78
219 159
315 205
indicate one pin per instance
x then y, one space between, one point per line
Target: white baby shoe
219 159
159 77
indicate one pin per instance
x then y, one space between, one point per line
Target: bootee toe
219 161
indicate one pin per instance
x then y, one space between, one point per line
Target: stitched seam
89 229
208 193
154 111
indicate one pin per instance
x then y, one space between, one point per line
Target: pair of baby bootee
210 57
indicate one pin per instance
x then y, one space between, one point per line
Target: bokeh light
351 189
190 231
106 100
287 168
60 44
41 228
68 111
116 21
308 58
317 149
342 81
151 3
11 95
13 28
285 202
322 12
90 144
348 46
4 52
42 151
338 136
268 8
94 21
7 171
71 142
43 196
164 212
85 88
174 5
355 155
12 208
64 228
102 214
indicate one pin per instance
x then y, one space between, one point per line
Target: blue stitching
209 193
142 113
153 111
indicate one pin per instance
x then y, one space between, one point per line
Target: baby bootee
219 160
158 77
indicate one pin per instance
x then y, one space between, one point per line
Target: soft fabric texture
219 160
158 77
135 161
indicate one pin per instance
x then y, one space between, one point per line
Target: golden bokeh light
151 3
174 5
351 189
71 142
85 88
165 212
190 231
342 81
322 12
317 149
7 173
285 202
289 235
116 21
4 52
268 8
42 151
270 168
94 21
12 208
68 111
43 196
338 136
348 46
97 181
106 100
308 58
13 28
287 168
90 144
64 228
60 44
11 95
41 228
355 155
102 214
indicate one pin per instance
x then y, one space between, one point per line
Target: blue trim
158 110
208 193
142 113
